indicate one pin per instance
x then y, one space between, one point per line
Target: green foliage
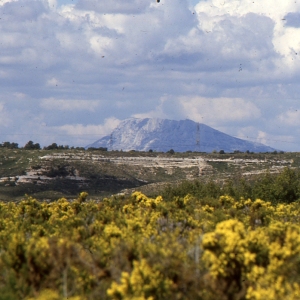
32 146
9 145
196 188
54 146
97 149
276 188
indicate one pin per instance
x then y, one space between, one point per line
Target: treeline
30 145
36 146
276 188
54 146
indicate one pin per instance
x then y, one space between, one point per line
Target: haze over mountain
163 135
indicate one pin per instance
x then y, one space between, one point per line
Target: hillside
49 174
163 135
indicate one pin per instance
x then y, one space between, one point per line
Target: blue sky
70 71
66 2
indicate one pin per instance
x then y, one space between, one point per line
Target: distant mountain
163 135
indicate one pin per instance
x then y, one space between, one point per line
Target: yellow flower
144 283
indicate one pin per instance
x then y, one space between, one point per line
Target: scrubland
219 235
136 247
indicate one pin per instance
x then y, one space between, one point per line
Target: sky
70 71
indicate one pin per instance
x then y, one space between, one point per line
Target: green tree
9 145
286 186
53 146
31 146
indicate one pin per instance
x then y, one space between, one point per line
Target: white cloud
290 118
20 95
95 130
214 14
3 2
159 111
52 3
53 82
115 7
230 64
216 111
69 105
277 141
5 121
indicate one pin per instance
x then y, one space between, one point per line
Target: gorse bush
276 188
148 248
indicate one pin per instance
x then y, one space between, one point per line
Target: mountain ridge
161 135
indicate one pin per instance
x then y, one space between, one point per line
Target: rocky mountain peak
161 135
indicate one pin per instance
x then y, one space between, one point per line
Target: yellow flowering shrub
227 255
146 248
226 200
48 294
144 283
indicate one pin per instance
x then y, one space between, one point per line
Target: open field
49 174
